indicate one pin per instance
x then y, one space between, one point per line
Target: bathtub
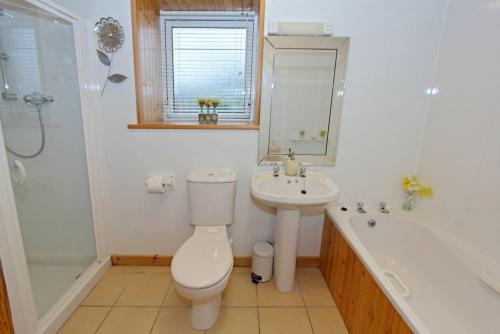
431 279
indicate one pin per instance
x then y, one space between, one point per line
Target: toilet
202 265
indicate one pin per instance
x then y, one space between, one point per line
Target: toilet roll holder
166 182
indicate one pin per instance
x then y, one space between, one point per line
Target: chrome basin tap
382 208
302 170
276 169
360 209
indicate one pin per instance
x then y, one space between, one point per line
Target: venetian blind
208 56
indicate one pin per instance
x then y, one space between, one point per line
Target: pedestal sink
289 194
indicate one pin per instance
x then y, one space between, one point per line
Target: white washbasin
288 190
289 194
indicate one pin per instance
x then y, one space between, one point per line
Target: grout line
305 306
258 305
105 317
119 295
130 280
156 319
170 285
322 306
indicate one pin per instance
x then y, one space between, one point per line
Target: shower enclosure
45 147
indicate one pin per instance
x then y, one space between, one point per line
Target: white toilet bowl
201 269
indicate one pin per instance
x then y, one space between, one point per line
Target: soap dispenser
291 165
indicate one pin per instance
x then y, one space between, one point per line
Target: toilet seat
204 259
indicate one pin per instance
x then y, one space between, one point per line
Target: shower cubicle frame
24 313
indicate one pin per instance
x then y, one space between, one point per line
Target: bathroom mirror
303 80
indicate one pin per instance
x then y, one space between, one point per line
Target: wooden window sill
196 126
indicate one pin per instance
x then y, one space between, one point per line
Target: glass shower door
43 130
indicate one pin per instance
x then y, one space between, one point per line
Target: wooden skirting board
6 326
166 260
361 303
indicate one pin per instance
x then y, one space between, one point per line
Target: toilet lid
203 260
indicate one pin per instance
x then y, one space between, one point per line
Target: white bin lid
263 249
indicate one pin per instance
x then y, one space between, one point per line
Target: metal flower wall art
110 38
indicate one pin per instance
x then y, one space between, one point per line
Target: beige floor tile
146 289
123 269
241 270
240 291
268 295
239 320
284 320
85 320
153 269
108 289
314 289
308 271
173 299
129 320
326 320
174 321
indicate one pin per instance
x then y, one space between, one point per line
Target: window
208 55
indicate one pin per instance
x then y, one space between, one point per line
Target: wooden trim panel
210 5
362 304
147 60
6 326
302 261
307 261
166 260
141 260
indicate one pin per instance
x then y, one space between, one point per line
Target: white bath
439 290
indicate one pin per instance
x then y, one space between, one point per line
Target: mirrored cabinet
303 81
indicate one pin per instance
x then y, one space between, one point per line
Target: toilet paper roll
155 185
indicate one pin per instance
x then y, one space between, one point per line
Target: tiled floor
142 300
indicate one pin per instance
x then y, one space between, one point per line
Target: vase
202 118
409 201
214 118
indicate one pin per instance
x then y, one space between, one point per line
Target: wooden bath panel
363 305
6 326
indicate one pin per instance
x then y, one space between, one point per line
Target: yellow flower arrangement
426 192
215 103
412 186
207 102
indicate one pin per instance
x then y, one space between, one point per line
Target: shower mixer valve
37 99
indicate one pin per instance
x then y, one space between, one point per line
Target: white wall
461 152
391 62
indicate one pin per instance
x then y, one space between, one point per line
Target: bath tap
360 207
382 208
276 169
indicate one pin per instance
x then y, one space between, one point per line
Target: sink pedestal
286 236
289 195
